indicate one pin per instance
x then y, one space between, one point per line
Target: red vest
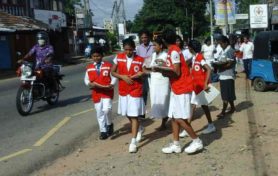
103 78
198 74
182 84
136 89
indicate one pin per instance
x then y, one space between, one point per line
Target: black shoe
103 135
110 129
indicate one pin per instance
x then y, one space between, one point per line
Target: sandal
221 115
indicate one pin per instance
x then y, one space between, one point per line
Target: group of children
174 84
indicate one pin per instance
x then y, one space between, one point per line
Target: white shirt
161 56
227 74
187 54
218 51
208 52
247 50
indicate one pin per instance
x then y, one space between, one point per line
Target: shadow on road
219 124
62 103
244 105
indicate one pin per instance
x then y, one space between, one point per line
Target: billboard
55 19
220 11
258 16
274 19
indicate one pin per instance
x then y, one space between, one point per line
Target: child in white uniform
128 68
98 78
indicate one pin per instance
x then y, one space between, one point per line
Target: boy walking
98 78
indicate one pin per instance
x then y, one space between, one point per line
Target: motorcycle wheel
24 102
53 99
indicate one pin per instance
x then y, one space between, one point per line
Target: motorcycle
35 87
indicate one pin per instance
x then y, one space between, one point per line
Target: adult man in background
145 50
247 49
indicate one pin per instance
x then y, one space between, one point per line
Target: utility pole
192 27
226 31
211 22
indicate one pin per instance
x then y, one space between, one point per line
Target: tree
69 6
159 15
243 6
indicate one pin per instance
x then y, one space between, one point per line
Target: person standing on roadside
181 88
207 50
98 78
247 49
159 85
185 51
227 77
128 68
145 50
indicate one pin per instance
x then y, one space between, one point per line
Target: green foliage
159 15
243 6
69 6
113 39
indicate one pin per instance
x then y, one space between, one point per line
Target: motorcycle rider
43 53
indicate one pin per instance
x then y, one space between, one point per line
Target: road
49 131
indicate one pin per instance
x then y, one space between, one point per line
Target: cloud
102 9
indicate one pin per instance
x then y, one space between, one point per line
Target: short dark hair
145 31
97 49
208 40
169 36
129 41
224 39
195 45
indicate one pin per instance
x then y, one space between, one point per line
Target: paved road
26 143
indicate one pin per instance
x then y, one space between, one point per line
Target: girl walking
181 89
128 68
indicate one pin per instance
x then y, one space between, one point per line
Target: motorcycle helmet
42 38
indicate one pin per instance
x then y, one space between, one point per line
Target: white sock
210 124
176 142
196 140
133 140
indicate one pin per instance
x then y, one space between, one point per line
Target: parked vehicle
264 67
35 87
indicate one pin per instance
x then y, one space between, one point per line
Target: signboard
220 11
258 16
274 19
121 29
55 19
242 16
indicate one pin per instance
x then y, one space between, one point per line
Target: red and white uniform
102 98
181 87
199 75
131 102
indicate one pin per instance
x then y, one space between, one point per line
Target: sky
103 8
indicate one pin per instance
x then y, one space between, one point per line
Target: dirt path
244 144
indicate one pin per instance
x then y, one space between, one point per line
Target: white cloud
103 8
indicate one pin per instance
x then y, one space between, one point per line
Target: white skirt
180 106
131 106
160 97
196 100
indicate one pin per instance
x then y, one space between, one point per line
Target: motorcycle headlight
26 71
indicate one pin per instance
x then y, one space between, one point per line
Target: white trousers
103 109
